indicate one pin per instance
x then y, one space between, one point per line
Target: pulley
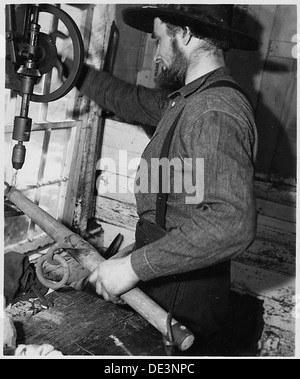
78 54
21 51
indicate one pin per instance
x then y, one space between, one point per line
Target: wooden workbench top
80 323
83 324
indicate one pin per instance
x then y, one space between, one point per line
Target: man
185 240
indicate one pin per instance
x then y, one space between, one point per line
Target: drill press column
29 74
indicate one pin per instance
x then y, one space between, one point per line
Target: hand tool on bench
89 258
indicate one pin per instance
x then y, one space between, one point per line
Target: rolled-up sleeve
223 224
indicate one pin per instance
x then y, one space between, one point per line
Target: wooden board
83 324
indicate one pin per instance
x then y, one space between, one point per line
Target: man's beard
173 78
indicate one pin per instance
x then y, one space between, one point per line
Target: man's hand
65 58
114 277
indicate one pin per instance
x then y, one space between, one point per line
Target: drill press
30 54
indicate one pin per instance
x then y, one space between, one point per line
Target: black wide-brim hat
207 21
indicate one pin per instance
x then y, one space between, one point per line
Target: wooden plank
71 193
65 169
281 49
277 343
85 324
278 230
247 67
270 255
273 89
274 86
117 213
285 157
277 211
261 282
285 22
85 192
120 161
114 186
279 315
133 138
277 194
87 110
97 19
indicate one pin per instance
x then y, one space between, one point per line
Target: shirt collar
199 82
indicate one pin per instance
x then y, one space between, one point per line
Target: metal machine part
30 55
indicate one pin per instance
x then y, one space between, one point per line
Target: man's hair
172 30
212 43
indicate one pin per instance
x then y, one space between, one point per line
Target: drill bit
14 178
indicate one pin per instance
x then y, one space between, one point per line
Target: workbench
84 324
81 323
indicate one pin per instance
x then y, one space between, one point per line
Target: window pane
57 146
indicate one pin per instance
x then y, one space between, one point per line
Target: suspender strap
228 83
161 199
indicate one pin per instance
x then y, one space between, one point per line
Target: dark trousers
199 299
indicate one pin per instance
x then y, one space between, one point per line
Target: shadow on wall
269 77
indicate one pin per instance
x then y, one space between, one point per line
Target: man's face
172 59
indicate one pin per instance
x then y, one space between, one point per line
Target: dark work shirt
212 217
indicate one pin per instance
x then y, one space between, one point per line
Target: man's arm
131 103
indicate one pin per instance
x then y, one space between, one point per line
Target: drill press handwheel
78 55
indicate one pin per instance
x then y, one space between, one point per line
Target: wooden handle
90 258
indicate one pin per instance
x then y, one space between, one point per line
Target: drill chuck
22 128
18 156
21 133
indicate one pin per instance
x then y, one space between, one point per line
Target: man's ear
186 35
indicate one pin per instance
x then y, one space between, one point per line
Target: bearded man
185 243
